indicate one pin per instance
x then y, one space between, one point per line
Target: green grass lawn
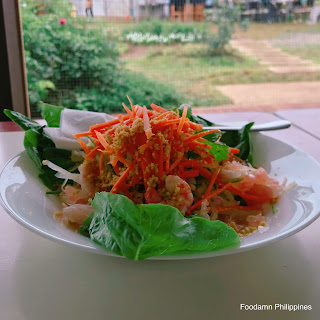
310 52
195 74
190 70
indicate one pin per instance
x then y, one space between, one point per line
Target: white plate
23 196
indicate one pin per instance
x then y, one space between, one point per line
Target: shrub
226 17
67 55
140 90
77 65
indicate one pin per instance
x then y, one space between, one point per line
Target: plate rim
95 248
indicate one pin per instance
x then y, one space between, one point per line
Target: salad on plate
152 182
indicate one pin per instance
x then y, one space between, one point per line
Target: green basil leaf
50 113
24 122
241 140
142 231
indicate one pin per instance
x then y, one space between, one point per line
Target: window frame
11 42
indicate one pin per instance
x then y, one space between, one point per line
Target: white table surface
43 280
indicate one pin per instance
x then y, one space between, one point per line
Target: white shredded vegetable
62 173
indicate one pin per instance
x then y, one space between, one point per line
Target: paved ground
296 39
277 60
264 94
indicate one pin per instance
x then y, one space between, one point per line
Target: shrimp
75 214
177 194
253 181
86 191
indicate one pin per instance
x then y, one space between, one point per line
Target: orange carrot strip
234 150
190 174
248 196
122 159
92 153
200 135
157 108
147 145
204 172
104 143
162 115
139 112
83 146
131 104
167 122
195 126
176 162
209 196
212 181
123 177
183 119
146 123
83 134
104 125
107 124
128 110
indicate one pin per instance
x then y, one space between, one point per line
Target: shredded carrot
122 159
128 110
190 174
83 146
83 134
200 135
162 115
139 112
247 196
146 123
131 104
107 124
182 119
92 153
104 143
209 196
212 181
147 145
157 108
176 162
234 150
123 177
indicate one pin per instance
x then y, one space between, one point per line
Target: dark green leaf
24 122
142 231
241 140
274 209
54 192
61 158
51 114
39 147
31 141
